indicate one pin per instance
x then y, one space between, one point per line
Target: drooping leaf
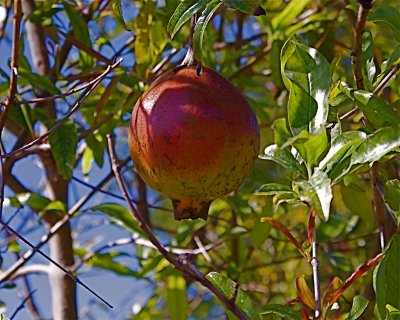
280 310
185 10
287 15
200 27
63 144
81 33
358 307
229 289
306 74
176 300
251 7
117 8
119 215
282 157
387 16
376 145
386 279
376 110
317 192
304 293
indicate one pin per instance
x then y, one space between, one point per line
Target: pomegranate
193 138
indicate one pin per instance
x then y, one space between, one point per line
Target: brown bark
61 245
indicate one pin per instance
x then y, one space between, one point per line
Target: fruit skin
193 138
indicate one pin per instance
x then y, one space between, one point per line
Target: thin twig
83 97
67 272
22 304
315 263
14 64
186 267
53 230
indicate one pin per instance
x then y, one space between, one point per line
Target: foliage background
78 40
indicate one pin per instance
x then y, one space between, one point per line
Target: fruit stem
190 59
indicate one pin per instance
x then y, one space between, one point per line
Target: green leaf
281 132
95 143
376 110
176 300
291 11
87 160
358 307
282 311
272 189
376 145
367 59
228 288
387 66
38 81
392 196
119 215
185 10
63 145
317 192
201 27
339 147
106 261
282 157
311 146
54 206
306 74
387 16
81 33
386 279
251 7
117 8
391 311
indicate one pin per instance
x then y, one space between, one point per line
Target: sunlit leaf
306 75
287 15
282 157
376 145
317 192
304 292
359 305
176 300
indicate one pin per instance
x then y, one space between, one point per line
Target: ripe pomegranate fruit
193 138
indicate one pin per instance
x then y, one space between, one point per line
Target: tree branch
183 266
14 64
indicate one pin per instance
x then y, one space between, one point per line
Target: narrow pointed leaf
272 189
358 307
117 8
304 292
287 15
201 27
185 10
